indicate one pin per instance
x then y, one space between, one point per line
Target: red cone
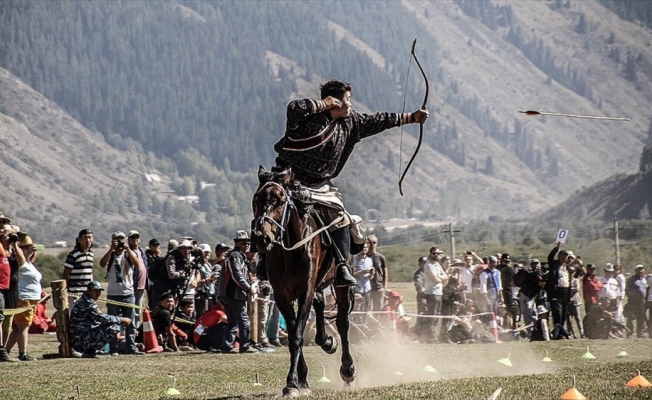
149 337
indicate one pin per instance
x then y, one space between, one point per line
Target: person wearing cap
141 283
154 261
591 286
232 290
120 262
206 276
507 281
29 294
636 289
78 269
177 264
90 329
419 285
610 287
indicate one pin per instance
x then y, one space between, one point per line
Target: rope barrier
129 305
16 311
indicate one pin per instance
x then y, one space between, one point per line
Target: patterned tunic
317 146
89 327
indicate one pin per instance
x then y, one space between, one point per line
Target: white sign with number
562 235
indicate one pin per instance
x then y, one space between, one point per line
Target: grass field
462 372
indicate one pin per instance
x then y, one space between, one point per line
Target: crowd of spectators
200 296
535 301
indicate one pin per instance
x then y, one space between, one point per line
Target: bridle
279 233
281 230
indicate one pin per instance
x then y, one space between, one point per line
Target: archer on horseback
319 138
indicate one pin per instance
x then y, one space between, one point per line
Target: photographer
177 263
206 276
119 262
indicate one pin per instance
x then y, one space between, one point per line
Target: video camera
12 238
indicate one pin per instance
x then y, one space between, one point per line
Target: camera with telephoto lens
120 244
12 238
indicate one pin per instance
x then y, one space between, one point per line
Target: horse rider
319 138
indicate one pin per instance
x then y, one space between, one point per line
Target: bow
423 107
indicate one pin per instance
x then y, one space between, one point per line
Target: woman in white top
29 294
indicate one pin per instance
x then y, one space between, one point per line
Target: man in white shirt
610 287
363 272
620 300
434 280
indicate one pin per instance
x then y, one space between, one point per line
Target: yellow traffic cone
429 368
173 390
622 354
588 354
398 373
323 379
639 381
546 358
506 361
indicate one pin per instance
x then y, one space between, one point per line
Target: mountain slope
210 79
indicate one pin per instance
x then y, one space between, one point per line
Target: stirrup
343 277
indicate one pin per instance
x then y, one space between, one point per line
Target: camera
12 238
120 244
197 253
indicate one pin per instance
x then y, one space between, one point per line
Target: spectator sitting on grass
90 329
162 321
186 312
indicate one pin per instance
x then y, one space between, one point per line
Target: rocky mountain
625 197
204 83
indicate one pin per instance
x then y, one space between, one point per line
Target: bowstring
400 151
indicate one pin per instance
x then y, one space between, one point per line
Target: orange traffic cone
639 381
149 337
572 393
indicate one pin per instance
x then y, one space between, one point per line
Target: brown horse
299 267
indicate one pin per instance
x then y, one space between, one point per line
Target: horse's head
270 206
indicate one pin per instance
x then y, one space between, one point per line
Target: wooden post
252 310
60 301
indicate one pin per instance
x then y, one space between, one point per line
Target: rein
278 239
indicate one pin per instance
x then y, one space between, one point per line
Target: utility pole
616 241
451 234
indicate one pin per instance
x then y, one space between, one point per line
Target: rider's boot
343 276
261 268
341 241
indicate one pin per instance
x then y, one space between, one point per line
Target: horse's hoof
334 344
347 374
291 392
304 391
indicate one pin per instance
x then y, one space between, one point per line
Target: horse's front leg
344 305
303 311
287 310
327 343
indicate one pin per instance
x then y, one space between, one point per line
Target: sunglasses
373 242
